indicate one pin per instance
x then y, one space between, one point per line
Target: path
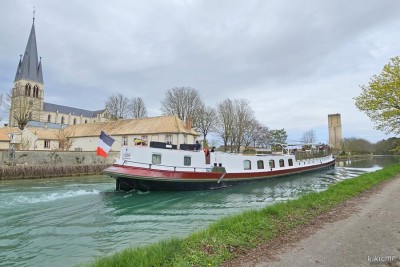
364 231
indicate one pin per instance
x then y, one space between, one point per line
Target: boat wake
52 197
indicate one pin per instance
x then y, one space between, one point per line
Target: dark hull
127 184
133 178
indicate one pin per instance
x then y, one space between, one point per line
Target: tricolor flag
105 143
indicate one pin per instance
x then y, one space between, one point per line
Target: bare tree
138 108
24 144
206 121
243 119
225 111
22 108
354 145
184 102
309 137
254 134
65 138
118 106
264 138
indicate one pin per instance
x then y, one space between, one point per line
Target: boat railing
302 155
167 167
314 160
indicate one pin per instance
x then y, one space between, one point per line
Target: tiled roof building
168 129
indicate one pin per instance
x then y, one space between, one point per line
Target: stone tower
335 131
27 95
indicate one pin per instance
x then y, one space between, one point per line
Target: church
28 108
38 125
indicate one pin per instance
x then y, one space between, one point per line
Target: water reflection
188 211
372 163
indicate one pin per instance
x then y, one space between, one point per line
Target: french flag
105 143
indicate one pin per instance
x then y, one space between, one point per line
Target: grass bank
46 171
233 235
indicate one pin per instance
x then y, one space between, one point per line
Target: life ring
206 151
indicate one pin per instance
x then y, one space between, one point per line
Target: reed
46 171
234 235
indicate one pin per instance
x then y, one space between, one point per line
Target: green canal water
67 221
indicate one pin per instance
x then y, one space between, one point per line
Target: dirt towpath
364 231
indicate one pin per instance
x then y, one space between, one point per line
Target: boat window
281 163
290 162
272 163
187 161
260 164
247 164
156 159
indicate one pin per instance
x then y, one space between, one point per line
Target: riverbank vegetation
237 234
46 171
358 146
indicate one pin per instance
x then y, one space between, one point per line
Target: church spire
30 68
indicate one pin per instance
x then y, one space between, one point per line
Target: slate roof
144 126
74 111
50 125
30 68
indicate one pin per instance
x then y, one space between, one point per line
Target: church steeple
30 68
27 98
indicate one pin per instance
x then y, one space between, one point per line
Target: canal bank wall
48 171
54 157
46 164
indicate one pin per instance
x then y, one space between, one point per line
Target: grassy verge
233 235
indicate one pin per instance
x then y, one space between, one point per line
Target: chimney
188 124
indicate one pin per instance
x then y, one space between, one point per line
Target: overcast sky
295 61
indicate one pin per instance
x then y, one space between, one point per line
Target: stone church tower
27 95
335 131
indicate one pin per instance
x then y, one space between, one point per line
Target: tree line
232 120
360 146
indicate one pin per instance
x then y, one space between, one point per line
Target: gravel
363 231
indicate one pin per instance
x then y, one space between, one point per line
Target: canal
67 221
